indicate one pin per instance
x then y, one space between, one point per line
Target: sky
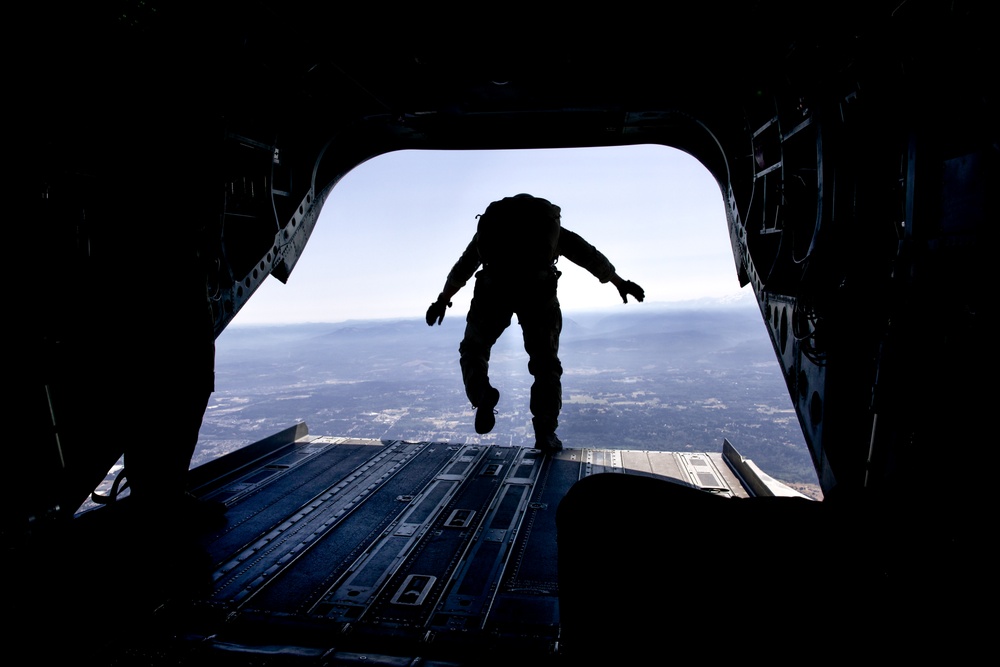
392 228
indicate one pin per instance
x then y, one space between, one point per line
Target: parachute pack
519 233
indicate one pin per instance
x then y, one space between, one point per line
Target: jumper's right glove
437 309
629 287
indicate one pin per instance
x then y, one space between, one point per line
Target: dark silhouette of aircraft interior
855 148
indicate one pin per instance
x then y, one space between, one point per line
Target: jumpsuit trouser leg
541 326
490 314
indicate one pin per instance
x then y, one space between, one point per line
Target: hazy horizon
744 299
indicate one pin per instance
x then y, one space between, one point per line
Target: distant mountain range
731 320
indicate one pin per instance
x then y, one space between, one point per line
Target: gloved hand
437 309
629 287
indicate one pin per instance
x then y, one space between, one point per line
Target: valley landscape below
667 379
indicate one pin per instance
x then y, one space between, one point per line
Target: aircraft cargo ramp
339 550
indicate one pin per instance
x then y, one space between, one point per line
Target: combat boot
485 414
548 442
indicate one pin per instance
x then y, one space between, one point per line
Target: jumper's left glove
437 310
629 287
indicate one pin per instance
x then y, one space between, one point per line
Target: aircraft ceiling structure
852 143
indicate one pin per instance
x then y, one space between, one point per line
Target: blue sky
392 228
